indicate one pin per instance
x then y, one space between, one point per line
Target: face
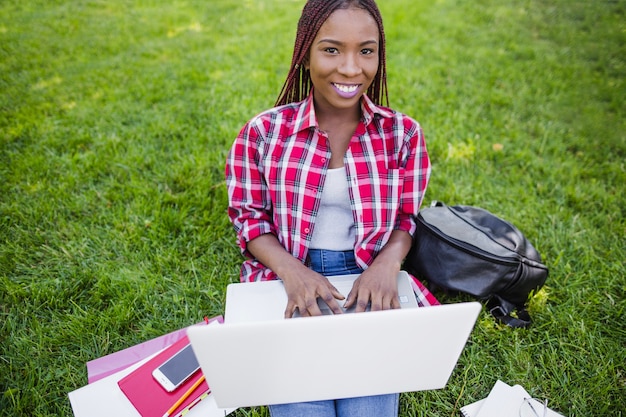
343 59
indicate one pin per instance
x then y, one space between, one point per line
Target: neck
334 116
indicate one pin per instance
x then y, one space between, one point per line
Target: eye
367 51
331 50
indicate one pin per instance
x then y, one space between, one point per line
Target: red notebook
148 397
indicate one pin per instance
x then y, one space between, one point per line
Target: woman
329 182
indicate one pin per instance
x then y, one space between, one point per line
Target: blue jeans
338 263
330 262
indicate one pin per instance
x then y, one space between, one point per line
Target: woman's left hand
378 287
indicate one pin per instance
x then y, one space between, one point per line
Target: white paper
505 401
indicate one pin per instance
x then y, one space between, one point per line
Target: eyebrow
336 42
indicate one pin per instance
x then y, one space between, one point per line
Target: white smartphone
177 369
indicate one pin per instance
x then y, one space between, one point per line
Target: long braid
315 12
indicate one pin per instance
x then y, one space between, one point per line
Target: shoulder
275 119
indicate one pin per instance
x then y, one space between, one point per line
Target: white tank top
334 225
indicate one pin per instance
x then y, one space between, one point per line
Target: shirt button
306 230
323 160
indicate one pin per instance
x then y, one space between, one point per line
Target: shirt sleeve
249 204
417 171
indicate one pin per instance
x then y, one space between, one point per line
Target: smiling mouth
346 88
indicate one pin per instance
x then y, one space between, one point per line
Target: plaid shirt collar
307 119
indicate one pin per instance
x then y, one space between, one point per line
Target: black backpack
469 250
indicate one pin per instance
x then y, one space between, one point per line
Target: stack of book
121 384
150 399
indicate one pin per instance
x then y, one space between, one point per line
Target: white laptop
267 300
278 361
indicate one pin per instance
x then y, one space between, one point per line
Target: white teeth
346 88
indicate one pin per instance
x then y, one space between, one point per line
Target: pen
194 403
184 397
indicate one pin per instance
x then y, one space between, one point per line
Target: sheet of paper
505 401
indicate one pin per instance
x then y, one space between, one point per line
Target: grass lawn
115 120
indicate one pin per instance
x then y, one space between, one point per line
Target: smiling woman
300 180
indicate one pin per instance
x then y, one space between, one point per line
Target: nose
350 66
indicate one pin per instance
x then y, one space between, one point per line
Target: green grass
116 116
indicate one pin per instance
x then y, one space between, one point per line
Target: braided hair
315 12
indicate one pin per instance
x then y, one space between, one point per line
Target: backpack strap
499 312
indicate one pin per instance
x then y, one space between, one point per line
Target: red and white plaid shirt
276 168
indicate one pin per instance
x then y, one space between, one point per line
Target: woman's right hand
303 285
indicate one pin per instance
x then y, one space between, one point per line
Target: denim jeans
330 262
375 406
338 263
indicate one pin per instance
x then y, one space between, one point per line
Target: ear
306 63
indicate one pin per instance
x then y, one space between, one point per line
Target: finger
331 302
350 300
395 302
303 312
312 308
377 304
353 294
390 301
336 294
362 301
290 310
